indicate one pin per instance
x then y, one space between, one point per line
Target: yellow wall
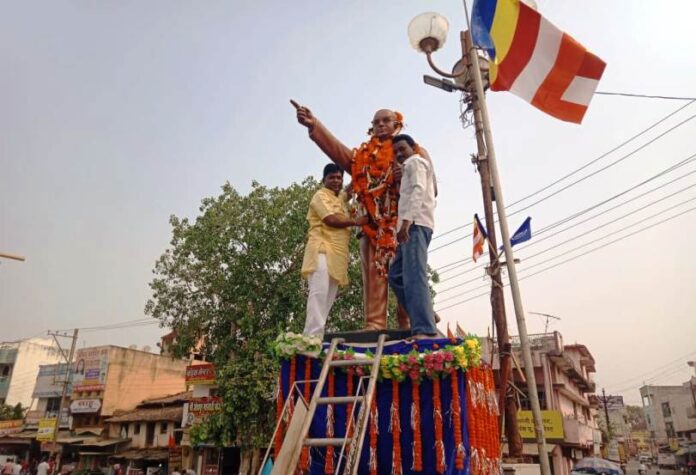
134 376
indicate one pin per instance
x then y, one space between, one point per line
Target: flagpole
512 271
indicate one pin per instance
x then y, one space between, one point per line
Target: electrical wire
586 165
645 96
603 246
671 168
580 180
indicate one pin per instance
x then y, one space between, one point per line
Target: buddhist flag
479 238
533 59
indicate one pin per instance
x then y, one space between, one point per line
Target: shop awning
94 442
144 454
89 430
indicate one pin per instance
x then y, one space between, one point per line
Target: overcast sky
115 115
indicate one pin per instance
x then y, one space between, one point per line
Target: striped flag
535 60
479 238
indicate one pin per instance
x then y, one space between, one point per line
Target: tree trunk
255 461
250 461
245 462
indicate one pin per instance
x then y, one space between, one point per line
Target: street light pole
427 32
512 271
506 399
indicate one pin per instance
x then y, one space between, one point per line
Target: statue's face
385 124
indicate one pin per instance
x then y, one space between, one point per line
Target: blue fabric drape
384 401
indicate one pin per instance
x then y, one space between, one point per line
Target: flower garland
483 422
304 457
279 412
376 191
431 364
456 414
331 390
395 427
416 426
349 409
374 432
437 419
289 344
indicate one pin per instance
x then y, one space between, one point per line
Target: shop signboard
199 408
11 427
553 424
46 430
91 365
200 374
85 406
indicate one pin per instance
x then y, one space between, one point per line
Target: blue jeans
408 278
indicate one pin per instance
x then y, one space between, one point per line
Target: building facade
19 367
564 381
670 412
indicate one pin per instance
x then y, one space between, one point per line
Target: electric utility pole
66 382
506 398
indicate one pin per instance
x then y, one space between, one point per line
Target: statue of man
375 177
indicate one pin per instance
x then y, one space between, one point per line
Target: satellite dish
132 347
147 348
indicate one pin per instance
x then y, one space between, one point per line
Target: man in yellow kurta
325 264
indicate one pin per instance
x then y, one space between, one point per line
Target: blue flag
523 233
268 468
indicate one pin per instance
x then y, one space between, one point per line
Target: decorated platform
434 412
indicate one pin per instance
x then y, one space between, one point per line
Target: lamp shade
428 25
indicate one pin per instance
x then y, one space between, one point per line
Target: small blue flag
523 233
268 468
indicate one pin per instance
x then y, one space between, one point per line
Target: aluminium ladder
290 461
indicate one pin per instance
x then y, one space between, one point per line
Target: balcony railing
577 433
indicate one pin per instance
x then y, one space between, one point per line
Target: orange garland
416 426
329 463
374 431
279 412
483 422
396 430
349 408
457 422
437 416
304 458
376 190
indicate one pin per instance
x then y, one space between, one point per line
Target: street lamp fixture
427 33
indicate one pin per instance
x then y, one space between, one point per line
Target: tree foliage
229 284
9 412
231 281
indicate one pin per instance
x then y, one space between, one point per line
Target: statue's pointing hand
304 115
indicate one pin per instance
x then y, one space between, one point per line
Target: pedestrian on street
43 468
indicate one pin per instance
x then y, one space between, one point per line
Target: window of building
150 433
136 428
53 404
666 411
526 405
669 428
124 431
4 372
163 427
178 436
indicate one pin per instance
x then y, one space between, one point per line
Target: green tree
9 413
229 284
231 280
